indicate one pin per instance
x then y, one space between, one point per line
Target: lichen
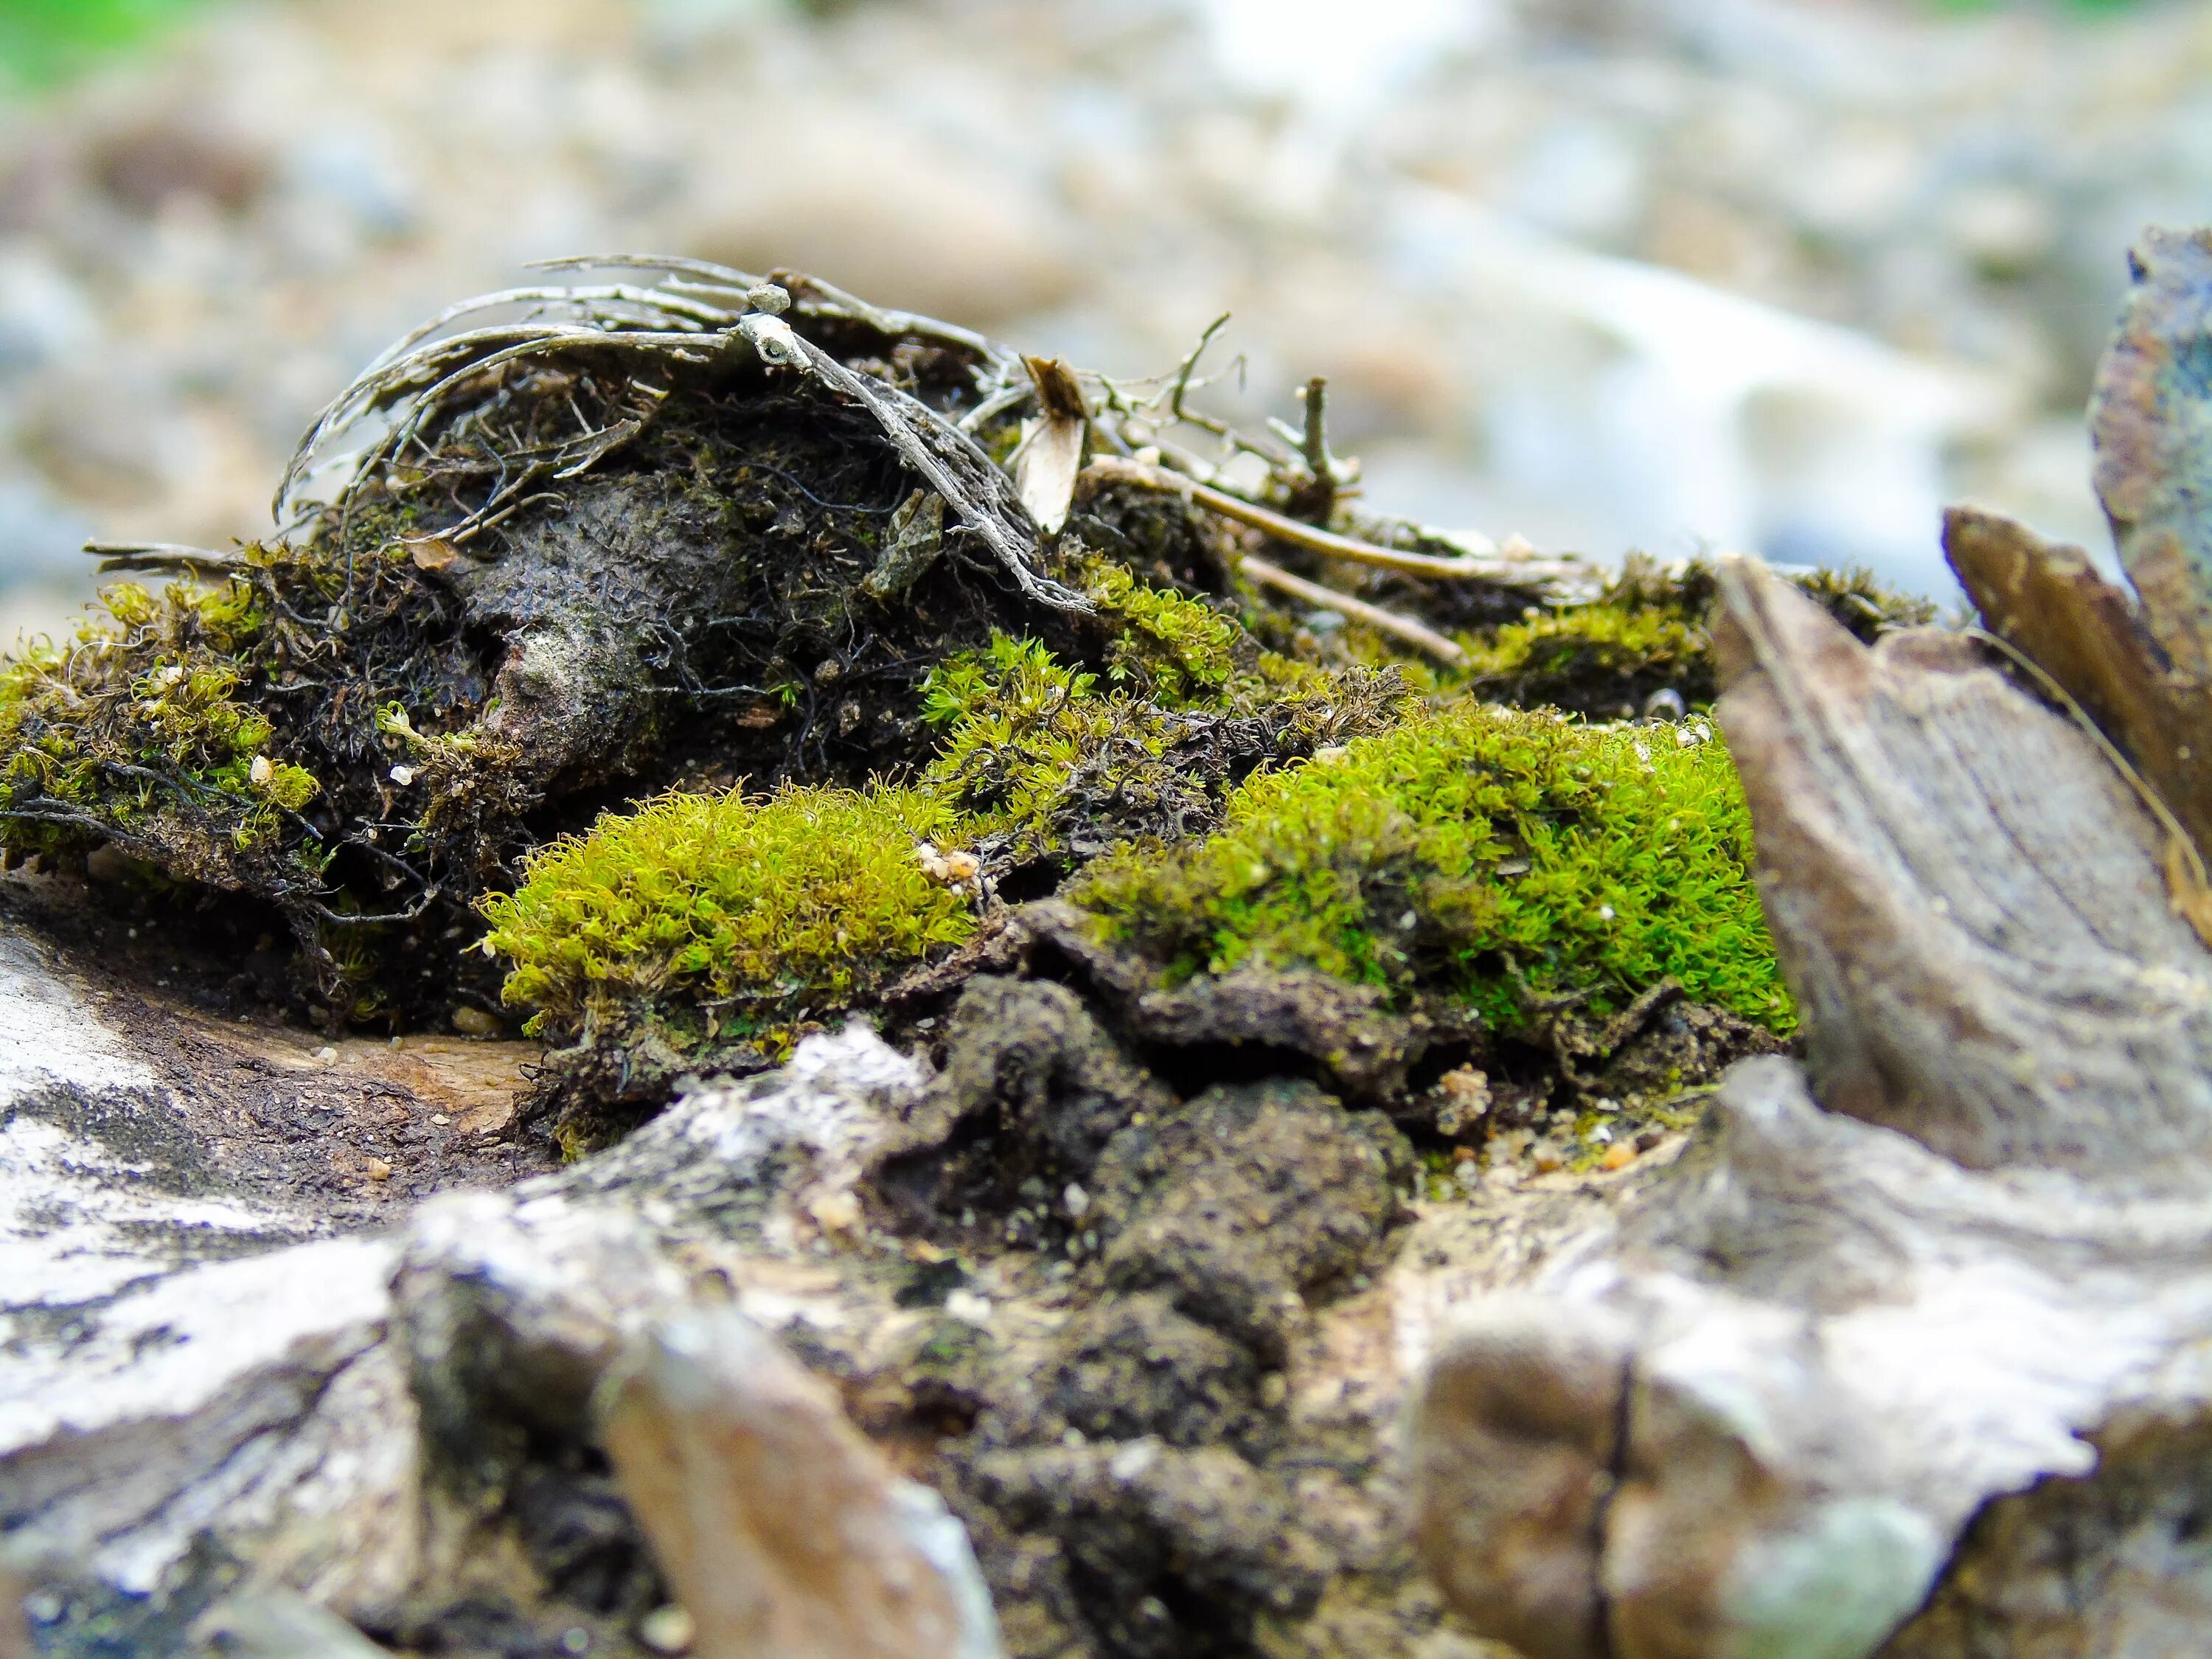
1487 855
762 914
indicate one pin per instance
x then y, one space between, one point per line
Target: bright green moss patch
1488 854
1173 647
763 912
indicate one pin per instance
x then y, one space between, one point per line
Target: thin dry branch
1418 635
1468 568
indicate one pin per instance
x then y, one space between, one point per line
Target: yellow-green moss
766 913
1552 658
1484 852
1174 648
140 722
1650 630
1048 764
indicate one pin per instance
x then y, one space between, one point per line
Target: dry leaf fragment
1051 449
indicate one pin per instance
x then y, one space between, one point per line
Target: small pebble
1076 1200
471 1021
969 1307
575 1639
1274 1389
837 1211
379 1169
440 1118
1618 1158
667 1629
326 1055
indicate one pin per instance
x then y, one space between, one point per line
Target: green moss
765 913
1048 765
1650 630
1174 648
1484 853
1557 657
1855 598
143 727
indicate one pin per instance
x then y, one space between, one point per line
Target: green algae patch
1496 857
763 913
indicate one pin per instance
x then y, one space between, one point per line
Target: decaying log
1752 1414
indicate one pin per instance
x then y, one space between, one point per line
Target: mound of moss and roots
690 667
758 556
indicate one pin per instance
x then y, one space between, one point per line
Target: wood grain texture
2047 602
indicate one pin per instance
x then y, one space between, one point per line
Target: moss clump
1486 855
761 915
1649 631
1049 766
1558 657
1166 644
146 728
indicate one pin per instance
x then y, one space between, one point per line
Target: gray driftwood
1963 1246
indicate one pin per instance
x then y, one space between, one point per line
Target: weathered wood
2047 602
2150 421
1752 1415
210 1416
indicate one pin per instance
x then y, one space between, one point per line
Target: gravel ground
1663 273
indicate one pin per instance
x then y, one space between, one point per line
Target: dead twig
1418 635
163 555
1467 568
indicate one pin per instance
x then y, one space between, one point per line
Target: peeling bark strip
1753 1416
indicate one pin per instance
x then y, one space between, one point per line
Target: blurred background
1783 275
